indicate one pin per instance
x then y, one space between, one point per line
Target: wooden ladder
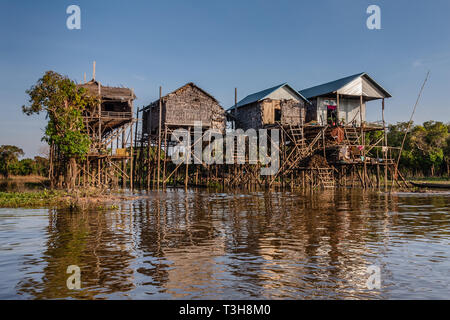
352 136
326 177
297 135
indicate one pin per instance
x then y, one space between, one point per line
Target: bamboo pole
407 130
132 157
186 177
363 141
235 103
159 135
337 109
135 145
165 156
99 126
385 153
123 161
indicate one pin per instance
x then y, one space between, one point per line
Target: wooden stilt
188 156
159 136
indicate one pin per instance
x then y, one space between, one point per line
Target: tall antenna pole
93 72
235 100
235 107
407 130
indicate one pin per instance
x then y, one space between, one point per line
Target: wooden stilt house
280 104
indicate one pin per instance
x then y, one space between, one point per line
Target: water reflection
195 244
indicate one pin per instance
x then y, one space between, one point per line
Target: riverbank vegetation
10 165
79 200
426 152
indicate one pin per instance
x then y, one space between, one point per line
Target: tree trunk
71 174
6 170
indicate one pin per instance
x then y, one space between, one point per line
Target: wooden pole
50 171
159 135
363 140
132 156
409 126
235 108
135 143
88 170
149 134
323 142
337 109
378 171
123 161
99 113
149 171
166 150
385 153
99 127
186 177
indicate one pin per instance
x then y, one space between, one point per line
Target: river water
197 244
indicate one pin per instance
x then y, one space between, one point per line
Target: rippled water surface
196 245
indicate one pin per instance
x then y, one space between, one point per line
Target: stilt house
342 101
280 104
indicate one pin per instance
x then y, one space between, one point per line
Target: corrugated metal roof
261 95
334 86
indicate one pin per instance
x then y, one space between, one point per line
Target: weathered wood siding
249 116
311 111
258 114
183 108
292 112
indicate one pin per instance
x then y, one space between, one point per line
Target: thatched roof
180 90
190 85
108 93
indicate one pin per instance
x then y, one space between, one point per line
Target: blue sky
220 45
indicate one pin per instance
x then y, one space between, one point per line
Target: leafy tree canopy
64 104
8 155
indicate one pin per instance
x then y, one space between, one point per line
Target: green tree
447 152
8 156
64 104
26 167
428 142
426 146
41 166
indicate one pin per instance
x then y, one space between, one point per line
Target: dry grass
25 179
76 200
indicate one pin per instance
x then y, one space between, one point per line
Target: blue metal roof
329 87
261 95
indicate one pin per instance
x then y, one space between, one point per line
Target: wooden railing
116 115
